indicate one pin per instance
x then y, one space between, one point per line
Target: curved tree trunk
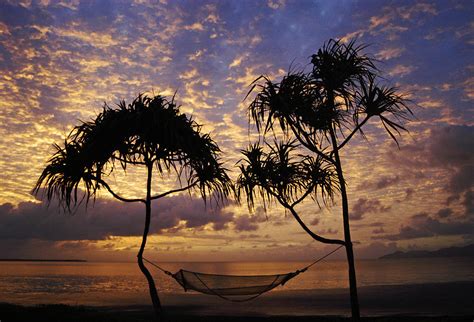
312 234
151 283
347 233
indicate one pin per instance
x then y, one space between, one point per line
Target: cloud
401 70
95 39
276 4
409 193
189 74
378 230
236 62
451 148
408 12
61 62
250 222
107 218
468 203
404 12
197 26
430 103
389 53
394 20
462 179
447 147
447 152
352 35
365 206
328 231
380 183
197 55
376 21
444 212
4 29
423 225
452 145
468 87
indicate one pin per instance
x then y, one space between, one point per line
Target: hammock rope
245 285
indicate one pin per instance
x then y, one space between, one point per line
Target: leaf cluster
340 93
315 108
283 175
150 132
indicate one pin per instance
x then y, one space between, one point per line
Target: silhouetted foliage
281 175
319 111
149 132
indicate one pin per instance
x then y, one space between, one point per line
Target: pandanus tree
321 110
284 176
151 133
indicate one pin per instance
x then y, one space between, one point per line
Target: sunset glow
61 60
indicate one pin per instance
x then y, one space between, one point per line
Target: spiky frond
373 99
339 89
65 171
296 105
150 130
290 100
281 175
337 66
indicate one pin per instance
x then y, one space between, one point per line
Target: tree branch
352 133
173 191
303 196
307 142
102 182
303 225
312 234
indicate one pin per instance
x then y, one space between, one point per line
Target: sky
61 60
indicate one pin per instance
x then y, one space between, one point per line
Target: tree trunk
347 233
151 283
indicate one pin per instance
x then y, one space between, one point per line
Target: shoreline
414 302
52 313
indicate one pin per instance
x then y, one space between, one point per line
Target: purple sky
60 60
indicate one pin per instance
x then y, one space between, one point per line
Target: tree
321 110
279 176
150 132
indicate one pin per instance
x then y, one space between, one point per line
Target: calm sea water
96 283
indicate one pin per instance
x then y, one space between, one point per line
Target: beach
423 302
389 290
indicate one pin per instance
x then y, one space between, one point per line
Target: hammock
240 287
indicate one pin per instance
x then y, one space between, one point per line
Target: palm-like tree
323 109
150 132
280 175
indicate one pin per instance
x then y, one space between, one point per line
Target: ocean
100 283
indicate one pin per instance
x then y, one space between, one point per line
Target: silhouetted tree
279 175
321 110
149 132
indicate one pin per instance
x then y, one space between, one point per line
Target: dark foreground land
53 313
424 302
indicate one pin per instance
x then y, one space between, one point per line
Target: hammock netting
230 285
236 288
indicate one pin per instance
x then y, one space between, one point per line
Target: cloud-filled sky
61 60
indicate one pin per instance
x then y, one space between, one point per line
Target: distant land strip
465 251
41 260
